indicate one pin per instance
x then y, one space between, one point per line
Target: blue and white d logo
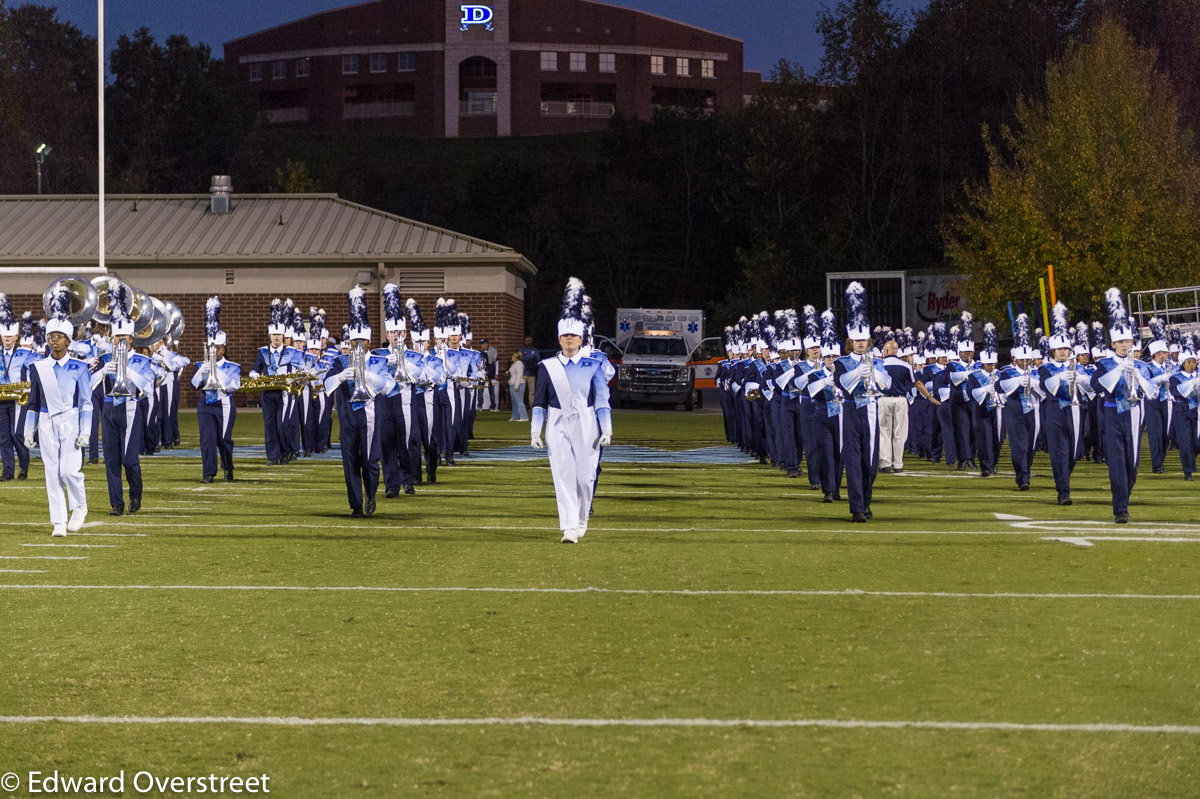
476 15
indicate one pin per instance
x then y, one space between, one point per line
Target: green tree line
924 141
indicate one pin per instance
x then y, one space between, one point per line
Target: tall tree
1098 179
47 94
179 116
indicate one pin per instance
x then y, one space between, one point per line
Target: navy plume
464 322
1059 326
120 298
39 334
393 311
6 312
212 317
358 307
572 304
276 312
1021 331
856 306
27 325
829 334
990 340
812 328
1158 329
1118 318
966 328
60 303
415 322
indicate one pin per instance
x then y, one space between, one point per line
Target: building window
656 65
256 72
406 62
349 65
708 68
608 62
379 62
579 62
549 62
302 67
278 70
477 67
681 67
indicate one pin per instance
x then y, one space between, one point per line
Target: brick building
312 248
437 68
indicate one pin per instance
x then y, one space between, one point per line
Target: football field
719 632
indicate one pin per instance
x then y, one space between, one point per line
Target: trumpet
358 362
1073 380
998 397
872 393
1135 385
18 392
213 383
121 386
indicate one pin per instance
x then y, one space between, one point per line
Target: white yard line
74 546
22 571
784 592
43 557
536 721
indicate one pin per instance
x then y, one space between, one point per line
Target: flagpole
100 117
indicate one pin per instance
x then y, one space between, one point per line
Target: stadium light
40 154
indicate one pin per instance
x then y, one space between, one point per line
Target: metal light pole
100 118
40 154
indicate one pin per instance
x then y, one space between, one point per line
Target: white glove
253 375
391 359
203 368
347 374
110 368
605 439
29 442
82 441
864 370
536 442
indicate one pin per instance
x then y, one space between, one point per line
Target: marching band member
357 384
295 345
273 360
964 437
894 404
863 379
790 436
60 410
938 374
1022 389
828 420
170 363
123 426
1185 388
36 351
428 371
446 403
13 360
1122 382
1158 402
395 409
1099 349
588 350
807 410
1063 382
215 411
571 398
987 408
312 402
325 420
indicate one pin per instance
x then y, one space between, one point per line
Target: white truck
656 351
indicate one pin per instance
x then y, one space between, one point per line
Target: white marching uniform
60 409
571 396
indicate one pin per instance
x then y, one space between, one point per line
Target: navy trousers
421 441
216 436
1122 445
360 442
1061 437
860 452
827 448
8 433
1185 436
93 452
1157 431
1021 429
397 471
945 423
987 437
791 441
123 427
964 436
272 412
808 435
727 416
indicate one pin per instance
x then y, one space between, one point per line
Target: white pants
63 462
570 445
893 431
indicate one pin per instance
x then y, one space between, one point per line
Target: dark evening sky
771 29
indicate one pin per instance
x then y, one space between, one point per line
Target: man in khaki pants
893 405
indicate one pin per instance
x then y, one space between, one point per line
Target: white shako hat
570 318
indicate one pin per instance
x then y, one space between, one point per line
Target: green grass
610 655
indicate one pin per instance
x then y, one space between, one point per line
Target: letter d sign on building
476 15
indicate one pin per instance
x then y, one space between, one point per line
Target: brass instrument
999 398
402 376
83 298
299 381
15 391
1135 385
267 383
152 325
754 394
213 383
1073 382
121 385
872 393
358 362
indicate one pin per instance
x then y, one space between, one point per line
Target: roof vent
219 192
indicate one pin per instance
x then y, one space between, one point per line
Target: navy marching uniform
860 429
1185 388
1063 385
270 361
215 411
13 360
123 426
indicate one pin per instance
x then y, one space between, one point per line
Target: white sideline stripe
75 546
43 557
22 571
296 721
397 589
103 535
1086 541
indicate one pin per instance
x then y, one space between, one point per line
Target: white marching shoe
60 531
570 537
581 531
77 518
